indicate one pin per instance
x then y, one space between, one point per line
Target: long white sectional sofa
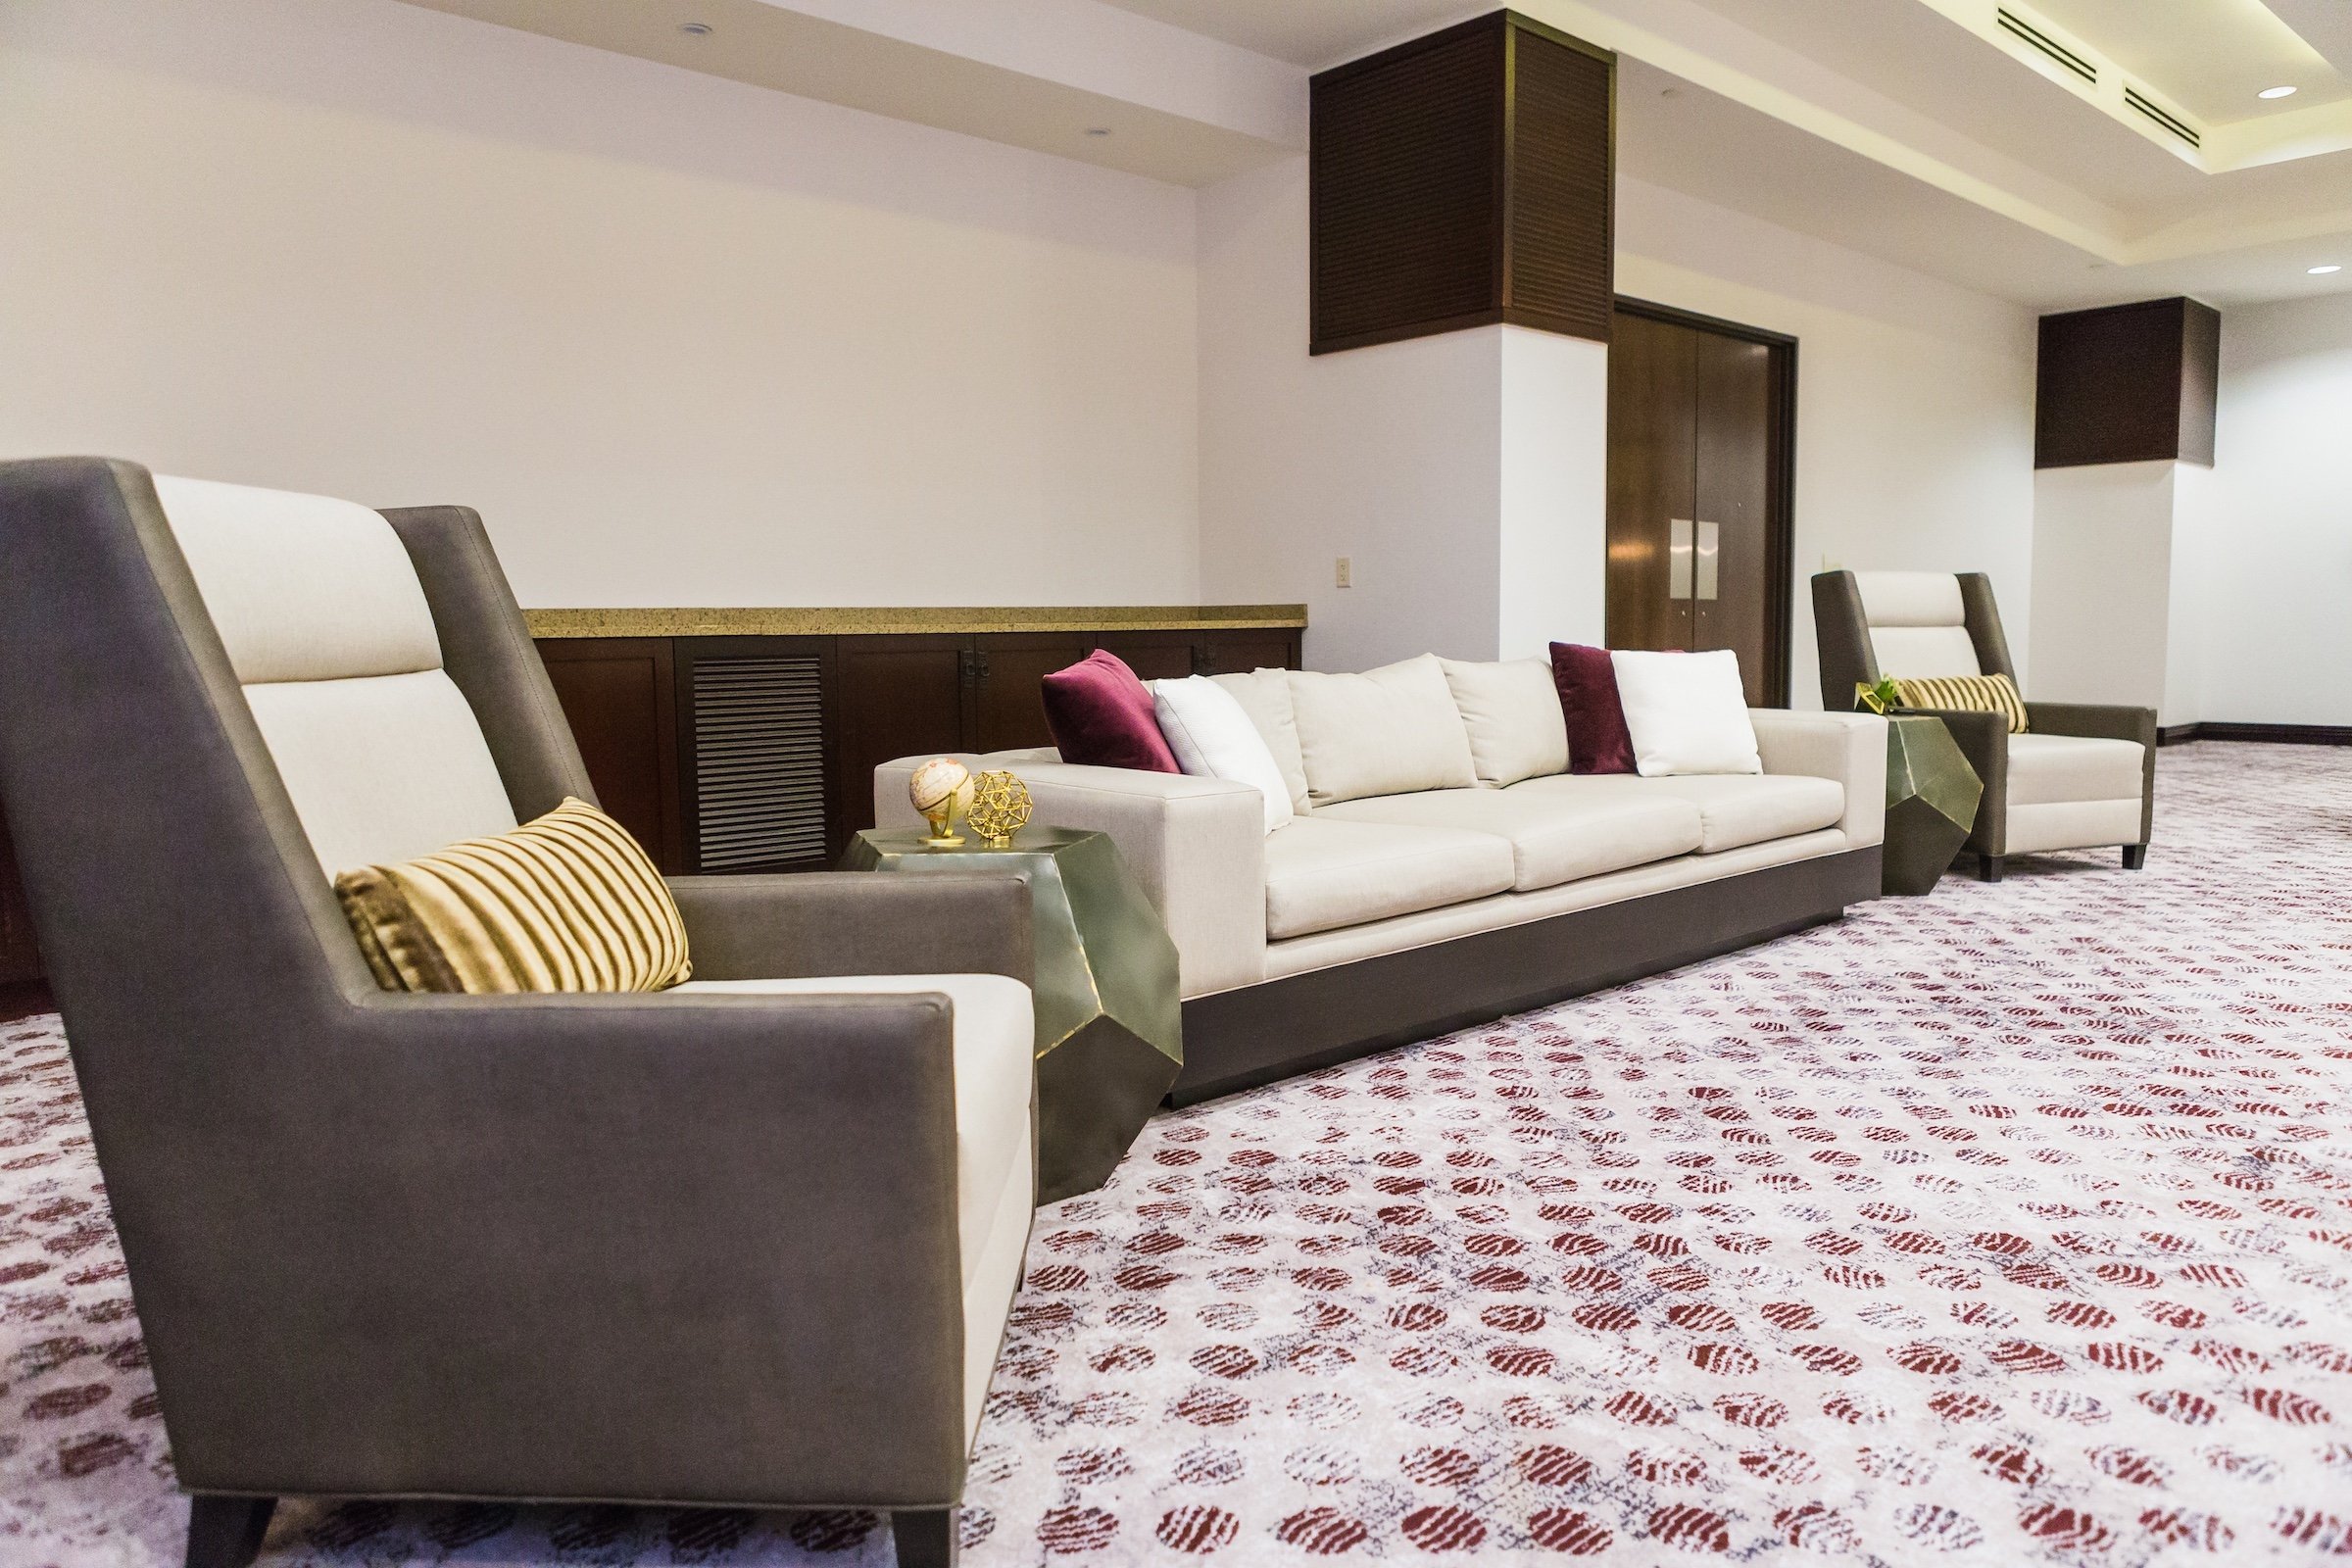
1374 919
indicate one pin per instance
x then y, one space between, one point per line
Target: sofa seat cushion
1736 811
1559 827
1323 873
2050 769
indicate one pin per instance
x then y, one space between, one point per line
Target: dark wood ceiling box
1463 179
2127 384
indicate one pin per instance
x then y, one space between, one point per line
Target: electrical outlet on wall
1343 573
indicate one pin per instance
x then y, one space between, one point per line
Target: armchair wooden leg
925 1536
1989 867
2136 855
226 1532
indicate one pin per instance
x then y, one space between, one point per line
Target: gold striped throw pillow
567 902
1972 694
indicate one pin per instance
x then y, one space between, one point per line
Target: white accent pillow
1388 731
1512 713
1213 738
1686 714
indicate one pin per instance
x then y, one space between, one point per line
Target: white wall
2268 631
2104 565
1462 475
1915 401
681 340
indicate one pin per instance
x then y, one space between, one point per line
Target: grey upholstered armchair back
1852 610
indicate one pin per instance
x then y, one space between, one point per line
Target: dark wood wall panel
1562 243
1405 186
1462 179
2127 384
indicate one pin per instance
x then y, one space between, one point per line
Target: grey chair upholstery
2084 774
697 1248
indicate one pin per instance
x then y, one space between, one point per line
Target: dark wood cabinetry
1460 180
2127 383
756 753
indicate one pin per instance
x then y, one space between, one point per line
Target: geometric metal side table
1931 799
1109 1018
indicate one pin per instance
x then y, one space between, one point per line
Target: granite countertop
900 620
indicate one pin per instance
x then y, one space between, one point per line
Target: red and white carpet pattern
2009 1226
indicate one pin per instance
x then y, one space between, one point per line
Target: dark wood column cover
2127 384
1462 179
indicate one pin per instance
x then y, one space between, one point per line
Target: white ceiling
1911 129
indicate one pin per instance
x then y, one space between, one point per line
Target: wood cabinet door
1246 648
893 697
619 695
1008 669
1154 655
20 958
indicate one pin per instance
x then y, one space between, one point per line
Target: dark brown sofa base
1240 1039
225 1532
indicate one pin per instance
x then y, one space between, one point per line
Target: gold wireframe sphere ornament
942 791
999 808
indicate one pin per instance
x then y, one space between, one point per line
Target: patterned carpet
2009 1226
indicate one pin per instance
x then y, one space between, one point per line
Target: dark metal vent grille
758 762
2163 117
2034 38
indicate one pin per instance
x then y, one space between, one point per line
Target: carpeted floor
2010 1226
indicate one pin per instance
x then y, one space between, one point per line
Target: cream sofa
1375 918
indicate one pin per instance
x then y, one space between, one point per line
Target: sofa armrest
1850 749
1197 846
791 927
2102 721
601 1244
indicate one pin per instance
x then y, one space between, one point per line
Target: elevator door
1697 545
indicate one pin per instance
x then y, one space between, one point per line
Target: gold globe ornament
942 791
999 808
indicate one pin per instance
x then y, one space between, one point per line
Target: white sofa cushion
1323 873
2073 825
1687 713
1265 696
1388 731
1735 809
1511 713
1212 737
2053 770
995 1183
1559 827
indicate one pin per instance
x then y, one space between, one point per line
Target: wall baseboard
2276 734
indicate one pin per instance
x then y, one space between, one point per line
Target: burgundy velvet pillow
1102 715
1597 740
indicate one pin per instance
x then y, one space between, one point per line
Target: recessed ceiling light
2276 92
704 29
2323 272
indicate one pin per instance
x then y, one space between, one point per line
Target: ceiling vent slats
2164 117
2048 47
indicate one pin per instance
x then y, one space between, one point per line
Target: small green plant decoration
1880 697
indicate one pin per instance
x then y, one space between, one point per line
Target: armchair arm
1848 749
662 1247
1984 739
1197 846
826 923
2106 723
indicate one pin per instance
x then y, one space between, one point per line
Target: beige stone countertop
904 621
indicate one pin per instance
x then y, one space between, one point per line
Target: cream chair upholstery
2082 776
